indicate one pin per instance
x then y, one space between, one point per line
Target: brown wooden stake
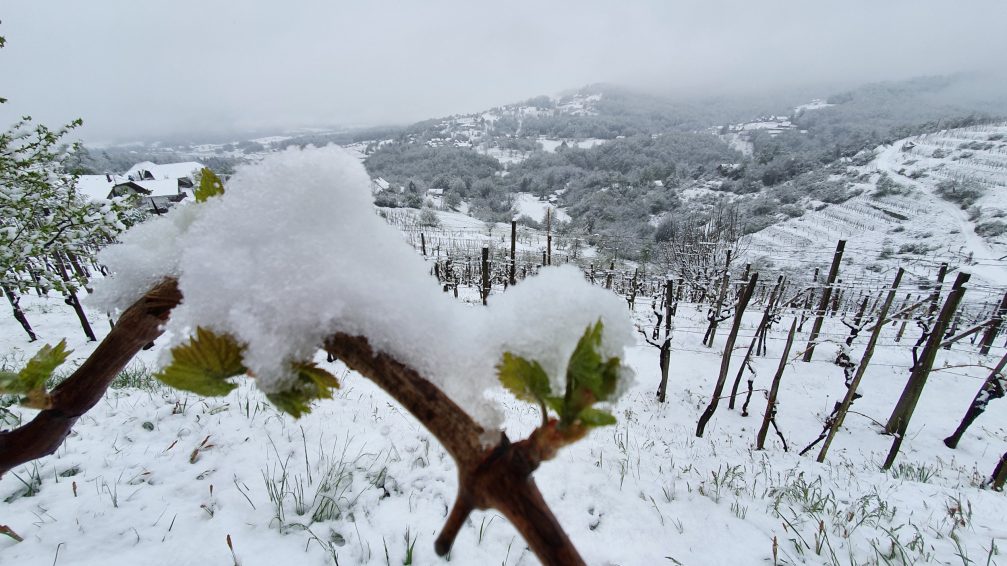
992 388
994 328
851 390
999 474
423 244
548 236
809 299
898 423
837 298
665 348
485 275
946 344
936 295
714 314
902 327
513 252
767 419
816 327
725 363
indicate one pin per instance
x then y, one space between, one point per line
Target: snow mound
293 252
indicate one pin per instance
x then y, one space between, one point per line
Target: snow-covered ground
155 476
535 208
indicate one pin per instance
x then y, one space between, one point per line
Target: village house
157 187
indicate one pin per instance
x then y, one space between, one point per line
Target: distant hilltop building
157 186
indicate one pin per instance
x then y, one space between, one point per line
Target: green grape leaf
294 403
525 379
39 369
584 368
592 417
555 403
312 383
589 378
29 383
203 365
210 185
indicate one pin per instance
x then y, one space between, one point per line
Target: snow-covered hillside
901 217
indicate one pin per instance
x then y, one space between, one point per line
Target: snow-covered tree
48 232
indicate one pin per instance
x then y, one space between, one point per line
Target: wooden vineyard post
665 355
999 474
935 298
816 327
902 327
725 363
485 274
513 252
768 418
992 388
548 236
808 301
755 340
994 328
837 297
423 244
899 420
851 390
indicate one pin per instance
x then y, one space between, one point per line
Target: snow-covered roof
165 170
97 187
160 187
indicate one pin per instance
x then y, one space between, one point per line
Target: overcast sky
141 68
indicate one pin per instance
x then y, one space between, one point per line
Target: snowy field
156 476
535 208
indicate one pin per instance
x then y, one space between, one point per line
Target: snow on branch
293 252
